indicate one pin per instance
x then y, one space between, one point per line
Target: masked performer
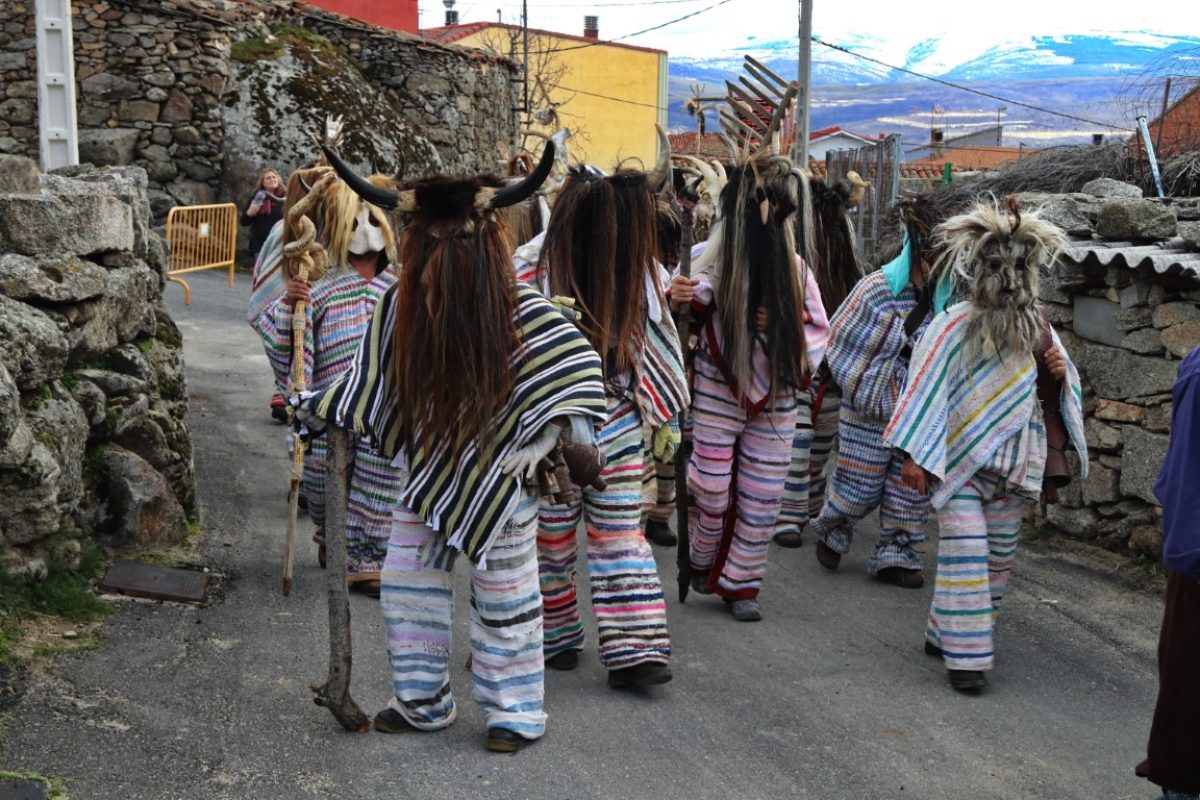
599 250
338 307
1175 735
870 342
471 378
969 424
826 242
762 326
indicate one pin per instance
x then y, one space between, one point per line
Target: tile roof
448 34
972 159
1170 258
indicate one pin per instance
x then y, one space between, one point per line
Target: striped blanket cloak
267 283
661 382
466 498
956 419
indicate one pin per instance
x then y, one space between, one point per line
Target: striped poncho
464 497
956 419
267 284
661 381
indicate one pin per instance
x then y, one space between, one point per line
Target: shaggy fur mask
995 254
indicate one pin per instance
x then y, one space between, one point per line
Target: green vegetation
54 788
66 593
173 555
248 51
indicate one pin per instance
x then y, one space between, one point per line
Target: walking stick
334 694
300 258
683 323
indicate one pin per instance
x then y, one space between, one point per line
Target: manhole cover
21 789
158 583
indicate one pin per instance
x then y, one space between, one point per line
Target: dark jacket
262 222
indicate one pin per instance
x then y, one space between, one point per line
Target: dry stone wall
1126 329
93 403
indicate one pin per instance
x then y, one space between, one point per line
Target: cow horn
405 201
662 170
511 195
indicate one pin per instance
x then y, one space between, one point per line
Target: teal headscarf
896 273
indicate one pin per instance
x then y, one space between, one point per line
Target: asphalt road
829 697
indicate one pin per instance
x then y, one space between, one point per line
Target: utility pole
804 78
525 36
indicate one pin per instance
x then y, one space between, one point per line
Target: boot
659 533
827 556
746 610
904 578
648 673
502 740
788 537
967 680
565 660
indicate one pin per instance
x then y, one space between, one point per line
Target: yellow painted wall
609 130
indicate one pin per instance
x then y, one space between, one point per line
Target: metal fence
879 164
201 237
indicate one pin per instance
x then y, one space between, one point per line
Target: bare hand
297 289
914 476
683 290
253 210
761 319
1056 362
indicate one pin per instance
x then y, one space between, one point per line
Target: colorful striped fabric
627 596
956 419
340 306
417 600
267 282
466 498
658 489
977 545
866 345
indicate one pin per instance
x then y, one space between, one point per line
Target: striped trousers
506 625
867 475
374 486
733 550
977 543
804 491
658 489
627 596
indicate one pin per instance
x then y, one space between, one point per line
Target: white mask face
368 236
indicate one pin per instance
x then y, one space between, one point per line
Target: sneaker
502 740
391 721
369 587
967 680
827 556
746 610
788 537
565 660
904 578
659 533
648 673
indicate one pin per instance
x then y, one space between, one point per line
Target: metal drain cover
157 583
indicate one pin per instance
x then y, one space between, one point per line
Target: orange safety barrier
201 237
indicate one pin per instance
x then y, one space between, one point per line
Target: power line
661 25
614 99
968 89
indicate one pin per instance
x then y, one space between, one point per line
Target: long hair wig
341 206
455 303
751 256
599 249
834 258
995 253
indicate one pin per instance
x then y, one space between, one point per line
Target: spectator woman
264 209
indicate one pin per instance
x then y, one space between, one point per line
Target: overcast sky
891 26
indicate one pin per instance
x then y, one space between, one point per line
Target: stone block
144 508
1059 314
1182 339
50 279
162 79
1141 459
18 175
1158 418
178 108
137 111
1095 319
1062 211
108 146
108 87
1135 294
81 224
1117 373
1190 232
1108 187
1146 341
1146 540
34 350
1100 437
10 407
1079 523
1114 411
17 111
1128 319
1138 219
1169 314
1101 485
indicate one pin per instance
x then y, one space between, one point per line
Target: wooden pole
683 323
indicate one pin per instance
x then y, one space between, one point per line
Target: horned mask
995 254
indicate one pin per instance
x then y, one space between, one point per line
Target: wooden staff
683 323
301 257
